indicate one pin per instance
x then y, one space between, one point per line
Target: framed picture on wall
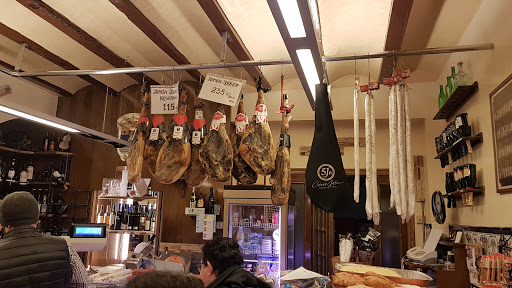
501 117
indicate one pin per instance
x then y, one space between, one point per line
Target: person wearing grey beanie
28 258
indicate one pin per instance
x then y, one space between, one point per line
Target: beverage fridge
259 227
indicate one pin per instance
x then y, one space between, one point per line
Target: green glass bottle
453 79
442 97
449 87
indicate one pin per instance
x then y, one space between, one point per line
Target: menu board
501 111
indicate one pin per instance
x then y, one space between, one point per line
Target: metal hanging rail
428 51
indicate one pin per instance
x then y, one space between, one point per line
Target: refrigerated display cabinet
258 226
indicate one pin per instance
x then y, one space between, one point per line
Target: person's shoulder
55 240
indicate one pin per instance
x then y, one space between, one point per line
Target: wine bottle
1 170
453 79
129 223
12 172
113 215
46 141
44 205
193 198
135 218
107 216
147 224
23 176
51 146
101 216
442 97
30 171
200 201
124 220
153 219
142 219
119 218
211 203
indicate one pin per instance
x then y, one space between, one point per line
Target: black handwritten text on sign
220 89
164 99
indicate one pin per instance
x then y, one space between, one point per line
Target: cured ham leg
196 174
174 157
257 146
136 153
155 142
242 172
281 177
216 154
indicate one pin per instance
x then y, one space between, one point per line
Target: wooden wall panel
94 161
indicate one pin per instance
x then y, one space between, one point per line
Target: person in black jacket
221 266
27 258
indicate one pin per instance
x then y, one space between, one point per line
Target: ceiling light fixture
308 67
52 121
292 19
36 119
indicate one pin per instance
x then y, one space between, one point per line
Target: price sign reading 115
164 99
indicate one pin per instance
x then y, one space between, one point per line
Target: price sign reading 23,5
220 89
164 99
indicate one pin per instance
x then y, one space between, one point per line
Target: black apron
326 182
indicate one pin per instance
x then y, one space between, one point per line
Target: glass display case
259 228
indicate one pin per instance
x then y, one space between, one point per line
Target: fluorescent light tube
292 18
308 67
36 119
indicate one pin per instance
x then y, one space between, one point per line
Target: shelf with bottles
457 91
50 153
458 98
473 140
131 232
127 197
478 191
260 252
256 225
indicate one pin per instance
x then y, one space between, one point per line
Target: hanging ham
196 174
281 177
326 182
216 153
136 152
174 157
242 172
155 142
257 146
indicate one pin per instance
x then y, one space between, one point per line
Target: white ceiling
348 27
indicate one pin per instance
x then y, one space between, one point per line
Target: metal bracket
225 38
20 56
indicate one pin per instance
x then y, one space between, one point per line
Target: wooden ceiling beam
76 33
396 30
41 51
237 46
153 33
40 82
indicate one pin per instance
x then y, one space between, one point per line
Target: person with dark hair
162 279
28 258
221 266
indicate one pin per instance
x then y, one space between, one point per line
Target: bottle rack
475 141
460 96
458 194
73 209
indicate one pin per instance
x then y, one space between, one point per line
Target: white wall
490 24
28 94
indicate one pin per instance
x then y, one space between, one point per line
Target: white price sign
220 89
164 99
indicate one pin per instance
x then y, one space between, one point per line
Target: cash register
87 237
